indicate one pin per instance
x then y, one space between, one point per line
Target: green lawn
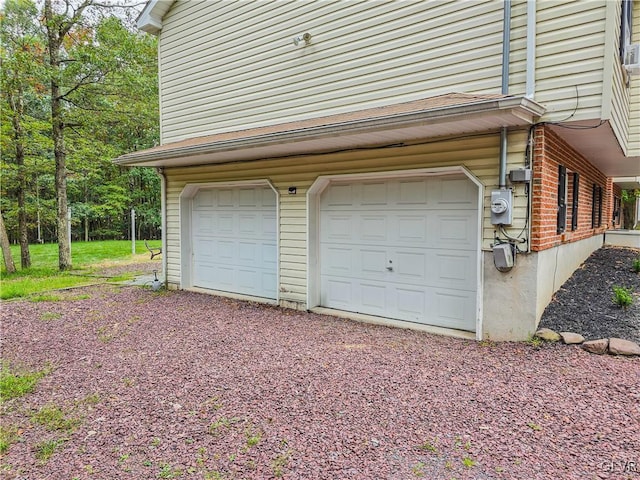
86 257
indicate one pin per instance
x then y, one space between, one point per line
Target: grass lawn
86 257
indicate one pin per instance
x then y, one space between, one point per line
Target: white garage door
402 248
234 240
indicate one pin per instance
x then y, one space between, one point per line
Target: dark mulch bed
584 303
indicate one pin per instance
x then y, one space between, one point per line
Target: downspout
530 88
163 220
506 36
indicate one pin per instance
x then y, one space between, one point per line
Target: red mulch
185 385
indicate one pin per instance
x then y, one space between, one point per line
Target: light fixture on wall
304 37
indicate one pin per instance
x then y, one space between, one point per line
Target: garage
233 241
404 248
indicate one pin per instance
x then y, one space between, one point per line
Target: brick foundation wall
549 152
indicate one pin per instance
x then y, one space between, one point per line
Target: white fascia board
627 183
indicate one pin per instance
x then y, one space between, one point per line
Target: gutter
163 221
525 108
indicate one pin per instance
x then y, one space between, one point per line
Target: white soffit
335 135
599 145
150 19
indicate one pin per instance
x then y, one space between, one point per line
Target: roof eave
150 19
627 183
514 111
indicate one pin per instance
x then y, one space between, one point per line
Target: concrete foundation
513 302
622 238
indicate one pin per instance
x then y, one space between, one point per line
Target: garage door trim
186 244
313 230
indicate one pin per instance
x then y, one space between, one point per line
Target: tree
107 118
21 58
6 248
80 70
629 199
106 79
58 26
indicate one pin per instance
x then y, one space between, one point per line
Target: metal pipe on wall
506 50
530 88
163 221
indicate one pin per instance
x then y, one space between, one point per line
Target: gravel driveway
185 385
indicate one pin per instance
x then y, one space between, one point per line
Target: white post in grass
133 232
69 229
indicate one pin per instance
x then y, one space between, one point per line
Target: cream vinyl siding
518 48
225 64
479 155
616 94
570 53
634 93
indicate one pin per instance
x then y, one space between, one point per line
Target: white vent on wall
632 59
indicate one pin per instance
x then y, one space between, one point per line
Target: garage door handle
390 269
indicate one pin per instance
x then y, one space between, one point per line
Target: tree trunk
629 214
18 135
6 248
57 132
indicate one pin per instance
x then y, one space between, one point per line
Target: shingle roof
450 113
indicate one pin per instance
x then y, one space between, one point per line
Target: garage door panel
270 256
203 245
373 296
337 260
248 225
405 249
247 197
267 198
269 225
411 303
269 281
373 228
204 199
224 197
248 253
411 229
340 195
222 250
374 193
225 224
410 266
371 263
249 279
456 271
454 310
337 292
339 227
205 272
412 192
453 193
234 232
454 231
205 223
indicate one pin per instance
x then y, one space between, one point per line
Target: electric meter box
503 257
501 206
